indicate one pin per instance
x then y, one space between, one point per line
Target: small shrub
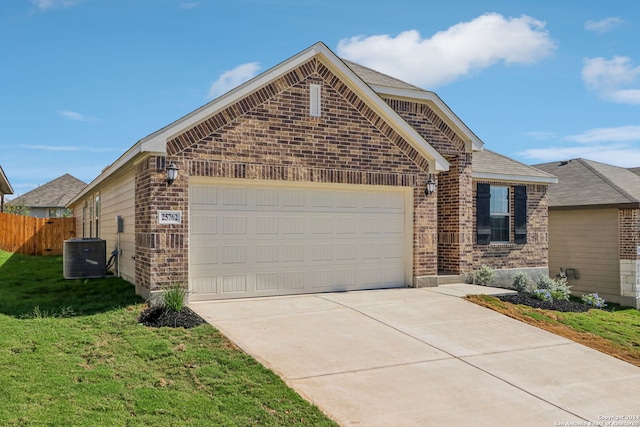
557 289
521 282
544 282
561 289
593 300
173 297
484 276
542 294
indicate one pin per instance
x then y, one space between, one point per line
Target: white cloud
603 25
451 54
617 146
72 115
615 80
233 78
618 134
54 4
190 5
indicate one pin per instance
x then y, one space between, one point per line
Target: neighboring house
50 200
5 188
312 177
594 229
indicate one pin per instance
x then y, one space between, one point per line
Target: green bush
555 289
484 276
521 282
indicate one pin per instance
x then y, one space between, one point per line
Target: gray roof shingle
53 194
376 78
584 182
487 163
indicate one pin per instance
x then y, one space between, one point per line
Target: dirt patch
587 339
157 317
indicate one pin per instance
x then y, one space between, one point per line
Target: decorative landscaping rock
158 316
531 301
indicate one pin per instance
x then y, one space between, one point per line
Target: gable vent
314 100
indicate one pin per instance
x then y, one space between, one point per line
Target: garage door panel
260 240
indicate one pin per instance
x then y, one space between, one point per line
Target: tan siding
586 240
118 198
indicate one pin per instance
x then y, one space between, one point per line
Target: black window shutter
520 213
483 214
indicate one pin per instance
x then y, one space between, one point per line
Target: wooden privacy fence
35 236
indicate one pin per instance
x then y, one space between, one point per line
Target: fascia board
451 119
5 185
514 178
114 170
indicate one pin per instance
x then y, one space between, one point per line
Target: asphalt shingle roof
492 163
584 182
376 78
56 193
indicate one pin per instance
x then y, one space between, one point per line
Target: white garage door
252 239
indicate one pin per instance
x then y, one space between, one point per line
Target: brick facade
628 235
269 135
535 252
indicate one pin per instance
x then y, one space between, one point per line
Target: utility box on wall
84 258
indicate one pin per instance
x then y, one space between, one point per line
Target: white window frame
500 213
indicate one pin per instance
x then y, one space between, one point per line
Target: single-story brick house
312 177
594 229
50 200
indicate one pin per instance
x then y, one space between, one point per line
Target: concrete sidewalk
418 357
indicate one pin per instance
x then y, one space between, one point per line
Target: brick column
629 241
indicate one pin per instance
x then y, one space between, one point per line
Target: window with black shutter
493 215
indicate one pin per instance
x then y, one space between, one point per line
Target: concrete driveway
418 357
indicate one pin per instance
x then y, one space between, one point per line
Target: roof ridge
612 184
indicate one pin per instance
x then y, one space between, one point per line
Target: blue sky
540 80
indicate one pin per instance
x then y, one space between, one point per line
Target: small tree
17 208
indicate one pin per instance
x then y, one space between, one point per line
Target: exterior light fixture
172 173
431 186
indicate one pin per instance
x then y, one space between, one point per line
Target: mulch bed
159 316
531 301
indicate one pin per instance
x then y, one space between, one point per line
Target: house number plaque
169 217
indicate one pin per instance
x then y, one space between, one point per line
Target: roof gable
389 86
157 142
260 83
584 183
56 193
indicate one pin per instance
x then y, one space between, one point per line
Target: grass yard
72 354
615 331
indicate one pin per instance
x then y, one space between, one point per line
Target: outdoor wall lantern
172 173
431 186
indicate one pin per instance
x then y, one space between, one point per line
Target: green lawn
615 331
72 354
